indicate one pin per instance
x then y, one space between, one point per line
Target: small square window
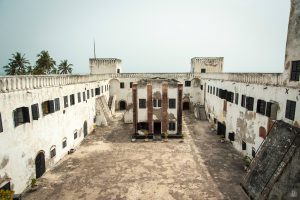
122 85
172 126
172 103
187 83
142 103
203 70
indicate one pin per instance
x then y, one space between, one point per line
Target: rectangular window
92 92
122 85
79 97
187 83
130 84
1 126
217 93
72 99
244 145
97 90
222 94
268 111
229 97
75 135
21 116
214 91
156 103
53 153
48 107
66 102
83 96
290 109
261 107
102 89
295 72
35 111
172 126
243 102
142 103
201 87
88 94
64 143
203 70
57 104
249 103
236 98
172 103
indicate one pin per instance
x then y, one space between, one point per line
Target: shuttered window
290 109
92 92
172 126
87 94
142 103
295 72
1 126
243 102
172 103
83 96
21 116
66 102
35 111
48 107
97 90
57 104
72 99
249 103
79 97
187 83
244 145
122 85
261 107
236 98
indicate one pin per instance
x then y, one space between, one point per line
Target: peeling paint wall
20 145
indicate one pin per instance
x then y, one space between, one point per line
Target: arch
114 87
85 131
262 132
186 103
40 166
122 105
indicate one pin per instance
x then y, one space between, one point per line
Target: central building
157 108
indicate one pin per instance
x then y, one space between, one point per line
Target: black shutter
268 111
1 127
35 111
26 117
51 106
15 115
249 103
57 104
244 145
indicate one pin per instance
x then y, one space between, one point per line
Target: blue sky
148 35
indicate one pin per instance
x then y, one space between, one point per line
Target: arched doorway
122 105
262 132
40 167
85 132
186 105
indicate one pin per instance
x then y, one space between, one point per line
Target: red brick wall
164 104
179 108
150 108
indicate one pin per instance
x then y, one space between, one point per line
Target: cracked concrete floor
107 165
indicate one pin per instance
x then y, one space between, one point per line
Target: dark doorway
186 106
157 127
221 129
122 105
40 164
85 132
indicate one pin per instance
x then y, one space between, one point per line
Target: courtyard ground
107 165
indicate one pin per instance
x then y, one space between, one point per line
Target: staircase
272 160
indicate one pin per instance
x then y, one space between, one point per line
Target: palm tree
64 67
18 65
45 64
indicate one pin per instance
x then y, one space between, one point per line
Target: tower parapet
206 64
105 65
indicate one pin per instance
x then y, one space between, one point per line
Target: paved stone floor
107 165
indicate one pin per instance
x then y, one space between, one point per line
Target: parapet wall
16 83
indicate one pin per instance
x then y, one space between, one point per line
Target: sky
148 35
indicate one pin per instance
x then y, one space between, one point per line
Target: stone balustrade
29 82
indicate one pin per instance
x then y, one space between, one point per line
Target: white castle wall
20 145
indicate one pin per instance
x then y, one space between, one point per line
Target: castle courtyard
108 165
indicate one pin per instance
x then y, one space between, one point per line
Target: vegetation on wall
45 64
